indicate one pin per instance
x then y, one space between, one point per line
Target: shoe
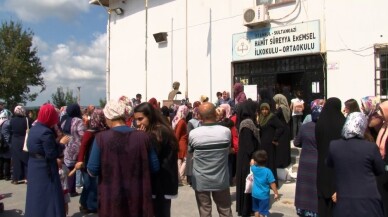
14 182
74 194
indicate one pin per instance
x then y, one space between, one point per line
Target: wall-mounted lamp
160 37
118 11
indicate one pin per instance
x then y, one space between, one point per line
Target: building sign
296 39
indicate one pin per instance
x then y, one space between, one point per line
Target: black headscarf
328 128
246 110
72 111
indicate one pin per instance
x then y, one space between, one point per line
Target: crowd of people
132 156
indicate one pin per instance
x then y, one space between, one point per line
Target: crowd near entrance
285 75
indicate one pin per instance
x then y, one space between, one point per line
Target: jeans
88 197
296 123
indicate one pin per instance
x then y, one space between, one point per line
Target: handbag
25 148
249 183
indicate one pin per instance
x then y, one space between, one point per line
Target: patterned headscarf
316 102
5 114
47 115
282 102
355 126
97 120
128 106
115 110
181 113
370 104
315 112
20 111
195 114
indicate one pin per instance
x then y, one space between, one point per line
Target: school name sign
296 39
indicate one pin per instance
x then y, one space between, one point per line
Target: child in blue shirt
263 179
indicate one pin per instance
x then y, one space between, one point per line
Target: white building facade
325 48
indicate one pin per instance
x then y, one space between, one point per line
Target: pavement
184 206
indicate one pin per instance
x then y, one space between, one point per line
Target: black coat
356 163
328 128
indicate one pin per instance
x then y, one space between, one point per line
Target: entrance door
305 73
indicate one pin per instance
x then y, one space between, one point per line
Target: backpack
298 107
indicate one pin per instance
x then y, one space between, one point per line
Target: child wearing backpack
263 180
297 107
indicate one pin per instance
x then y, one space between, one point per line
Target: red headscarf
154 103
47 115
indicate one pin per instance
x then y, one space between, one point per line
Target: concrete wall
211 23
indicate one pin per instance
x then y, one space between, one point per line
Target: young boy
263 179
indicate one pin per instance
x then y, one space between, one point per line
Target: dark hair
138 95
158 126
260 157
218 94
352 105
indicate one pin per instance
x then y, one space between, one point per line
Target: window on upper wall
381 67
273 2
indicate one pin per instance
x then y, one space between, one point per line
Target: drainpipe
146 49
187 70
108 61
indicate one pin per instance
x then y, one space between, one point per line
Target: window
381 67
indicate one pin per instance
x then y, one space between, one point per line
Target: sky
70 36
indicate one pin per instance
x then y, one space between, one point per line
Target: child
263 179
63 174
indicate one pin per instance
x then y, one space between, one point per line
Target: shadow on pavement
12 213
6 195
274 214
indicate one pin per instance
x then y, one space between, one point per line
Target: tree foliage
61 98
102 102
20 67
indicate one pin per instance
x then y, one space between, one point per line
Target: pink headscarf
180 114
228 111
48 115
383 133
239 95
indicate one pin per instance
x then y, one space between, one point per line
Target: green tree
102 102
20 67
61 98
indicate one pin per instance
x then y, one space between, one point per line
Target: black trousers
325 207
162 206
5 168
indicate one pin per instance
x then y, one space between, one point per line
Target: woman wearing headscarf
119 158
193 123
74 127
44 191
239 95
180 129
306 200
5 145
249 142
356 163
283 150
18 126
165 181
382 141
154 103
313 103
271 130
328 128
88 199
369 106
